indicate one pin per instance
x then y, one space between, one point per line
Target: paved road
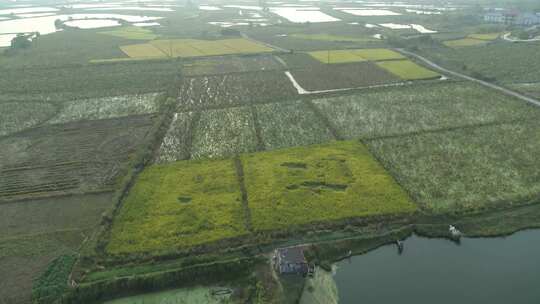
463 76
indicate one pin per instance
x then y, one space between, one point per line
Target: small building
512 17
291 260
528 19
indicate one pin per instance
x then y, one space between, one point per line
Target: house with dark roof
291 260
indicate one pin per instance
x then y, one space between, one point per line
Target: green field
417 108
488 36
466 169
213 65
502 61
407 70
16 117
465 42
179 205
132 33
338 180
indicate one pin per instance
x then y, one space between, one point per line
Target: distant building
291 260
512 17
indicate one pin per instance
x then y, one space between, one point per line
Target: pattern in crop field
343 76
532 89
409 109
290 124
177 142
179 205
107 107
233 90
224 132
68 158
32 233
319 183
212 66
16 117
407 70
467 169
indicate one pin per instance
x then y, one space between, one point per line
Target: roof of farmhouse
292 254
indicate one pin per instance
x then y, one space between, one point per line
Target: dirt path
469 78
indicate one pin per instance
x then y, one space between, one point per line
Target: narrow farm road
463 76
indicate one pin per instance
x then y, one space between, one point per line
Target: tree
21 41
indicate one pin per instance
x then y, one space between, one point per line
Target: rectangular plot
401 110
377 54
176 144
336 56
77 157
338 180
407 70
213 66
144 50
343 76
225 132
179 205
290 124
468 169
177 48
245 46
233 90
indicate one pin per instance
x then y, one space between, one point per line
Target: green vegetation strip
132 33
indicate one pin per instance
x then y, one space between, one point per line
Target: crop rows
17 116
410 109
466 169
107 107
232 90
212 66
224 132
70 158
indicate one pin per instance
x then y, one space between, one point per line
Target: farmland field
465 42
143 50
467 169
344 56
89 81
417 108
52 227
179 205
343 76
217 65
187 48
290 124
16 117
532 89
318 183
132 33
500 61
177 142
107 107
233 89
69 158
407 70
334 38
224 132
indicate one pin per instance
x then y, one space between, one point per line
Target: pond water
45 25
367 12
90 24
494 270
5 40
27 10
302 14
